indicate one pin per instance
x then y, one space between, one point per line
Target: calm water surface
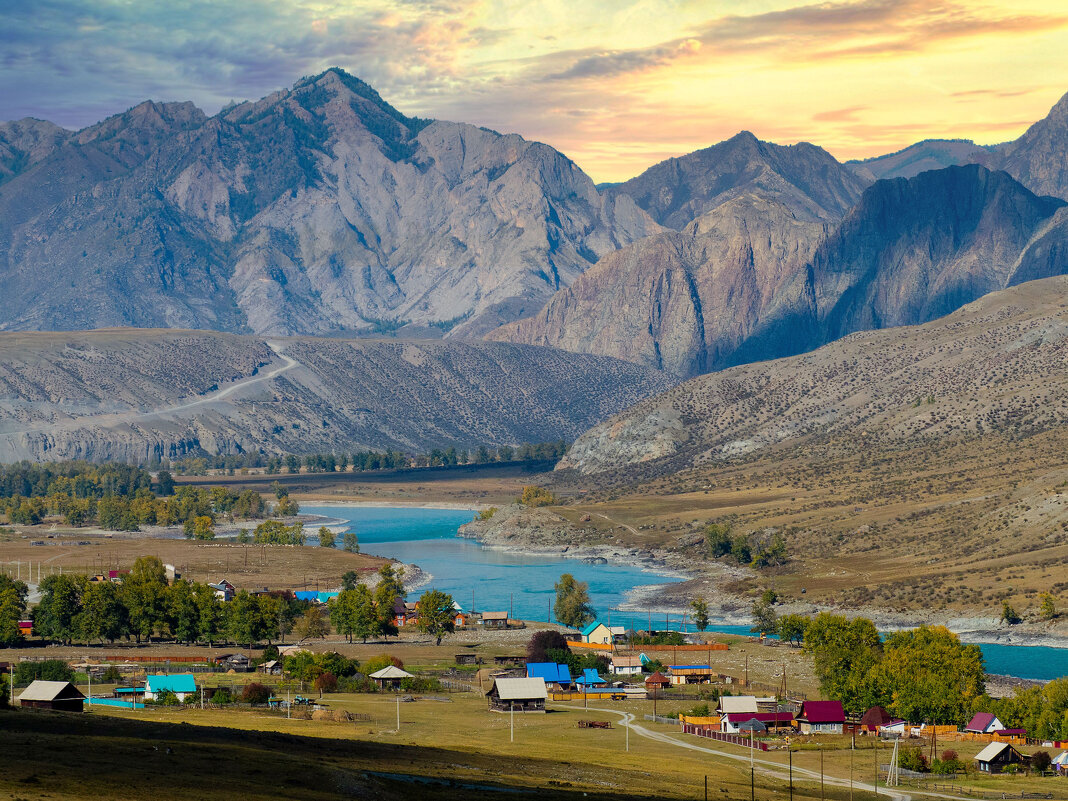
502 580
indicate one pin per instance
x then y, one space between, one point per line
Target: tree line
144 606
123 498
359 461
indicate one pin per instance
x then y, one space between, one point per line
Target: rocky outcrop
930 154
726 289
994 365
136 395
751 281
804 178
319 209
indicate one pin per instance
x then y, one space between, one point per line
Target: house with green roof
597 634
183 685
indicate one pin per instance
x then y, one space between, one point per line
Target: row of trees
12 607
374 460
358 611
921 675
74 609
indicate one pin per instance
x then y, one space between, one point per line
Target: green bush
46 670
376 663
111 675
357 684
912 759
421 684
165 698
255 693
222 696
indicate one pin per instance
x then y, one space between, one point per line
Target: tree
929 675
243 537
534 495
1048 609
326 682
183 615
203 528
312 625
286 507
792 628
718 538
436 614
572 607
54 617
255 693
165 483
765 620
326 537
45 670
541 642
769 596
1008 614
699 607
844 652
740 550
243 619
351 543
390 587
350 579
12 608
103 615
209 614
275 532
144 595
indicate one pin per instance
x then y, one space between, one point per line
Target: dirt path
116 418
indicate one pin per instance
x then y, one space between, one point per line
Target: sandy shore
466 507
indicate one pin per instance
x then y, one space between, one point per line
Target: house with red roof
821 717
984 723
731 723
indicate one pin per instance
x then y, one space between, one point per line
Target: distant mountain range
322 210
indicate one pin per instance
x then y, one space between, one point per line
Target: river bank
541 532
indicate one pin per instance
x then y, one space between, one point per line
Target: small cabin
821 717
996 757
517 695
494 620
657 681
57 696
626 665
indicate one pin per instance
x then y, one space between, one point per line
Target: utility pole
626 722
821 773
398 712
752 774
790 751
511 721
875 750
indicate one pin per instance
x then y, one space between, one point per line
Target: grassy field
441 740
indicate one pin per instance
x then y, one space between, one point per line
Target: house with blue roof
597 634
182 685
555 676
590 678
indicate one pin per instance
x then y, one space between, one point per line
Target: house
984 723
657 681
466 659
460 620
589 679
767 704
821 717
183 685
172 573
390 677
271 668
556 677
737 704
224 591
619 634
738 722
58 696
518 695
996 756
494 620
626 665
116 576
692 674
290 650
874 719
26 628
239 663
1060 763
597 634
401 613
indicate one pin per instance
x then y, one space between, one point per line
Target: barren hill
996 364
132 395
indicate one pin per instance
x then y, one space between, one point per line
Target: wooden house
657 681
518 695
390 677
58 696
996 757
494 620
821 717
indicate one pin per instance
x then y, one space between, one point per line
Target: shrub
487 514
165 698
357 684
326 682
699 711
255 693
1040 760
47 670
222 696
912 759
536 496
421 684
111 675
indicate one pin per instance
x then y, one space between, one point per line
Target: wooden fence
734 739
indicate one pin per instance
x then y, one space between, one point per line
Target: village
493 676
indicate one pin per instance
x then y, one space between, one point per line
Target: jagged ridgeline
315 210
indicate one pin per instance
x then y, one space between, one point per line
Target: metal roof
549 672
592 627
391 672
822 712
991 752
494 615
175 682
735 704
981 721
40 690
520 689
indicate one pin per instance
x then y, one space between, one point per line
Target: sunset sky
616 85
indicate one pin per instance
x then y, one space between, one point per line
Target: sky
617 85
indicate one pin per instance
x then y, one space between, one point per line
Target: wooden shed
59 696
996 756
519 695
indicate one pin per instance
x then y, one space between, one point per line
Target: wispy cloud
617 84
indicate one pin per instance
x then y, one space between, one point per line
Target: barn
59 696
